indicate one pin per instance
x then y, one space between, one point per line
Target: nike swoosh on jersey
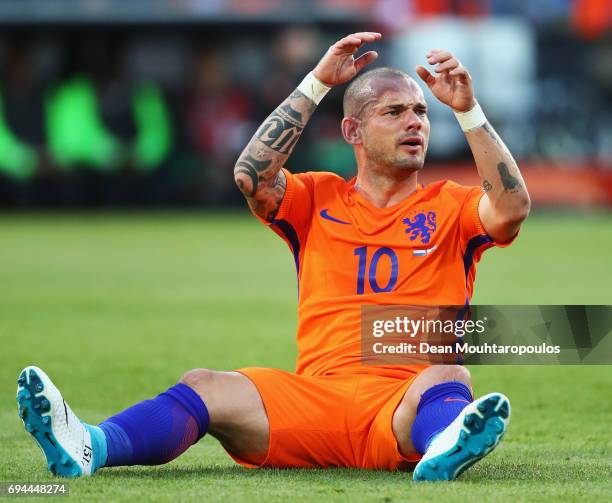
324 213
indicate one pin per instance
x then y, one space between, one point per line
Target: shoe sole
37 412
482 431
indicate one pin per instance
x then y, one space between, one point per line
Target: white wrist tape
471 119
313 88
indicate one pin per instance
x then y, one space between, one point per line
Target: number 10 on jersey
362 253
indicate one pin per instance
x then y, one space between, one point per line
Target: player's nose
412 121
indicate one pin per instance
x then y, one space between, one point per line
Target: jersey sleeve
474 237
292 221
470 224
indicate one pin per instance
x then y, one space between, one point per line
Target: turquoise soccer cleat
469 438
65 441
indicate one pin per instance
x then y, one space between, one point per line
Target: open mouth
412 141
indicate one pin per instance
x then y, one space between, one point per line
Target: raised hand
338 65
453 85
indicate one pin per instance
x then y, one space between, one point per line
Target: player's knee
444 373
198 378
457 373
437 374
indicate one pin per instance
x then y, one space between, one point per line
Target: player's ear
351 130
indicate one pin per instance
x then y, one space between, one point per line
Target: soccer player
351 248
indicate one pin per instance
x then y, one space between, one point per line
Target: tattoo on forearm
486 185
283 127
257 171
490 131
510 182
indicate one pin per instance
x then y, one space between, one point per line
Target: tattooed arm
505 204
257 172
258 169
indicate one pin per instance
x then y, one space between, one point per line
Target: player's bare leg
438 419
151 432
237 415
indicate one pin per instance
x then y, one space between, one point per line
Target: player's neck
385 189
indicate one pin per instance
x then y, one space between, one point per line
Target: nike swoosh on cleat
457 449
324 213
65 410
49 438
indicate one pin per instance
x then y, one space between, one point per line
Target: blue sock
155 431
438 408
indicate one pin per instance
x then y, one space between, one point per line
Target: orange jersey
422 251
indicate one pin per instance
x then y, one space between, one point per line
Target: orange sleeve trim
481 230
476 215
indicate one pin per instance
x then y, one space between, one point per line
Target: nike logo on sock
451 399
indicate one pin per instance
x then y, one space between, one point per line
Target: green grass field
116 307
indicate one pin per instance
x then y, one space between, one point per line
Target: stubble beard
396 160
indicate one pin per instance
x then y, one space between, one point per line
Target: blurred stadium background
149 102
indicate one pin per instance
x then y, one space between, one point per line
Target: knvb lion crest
421 226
